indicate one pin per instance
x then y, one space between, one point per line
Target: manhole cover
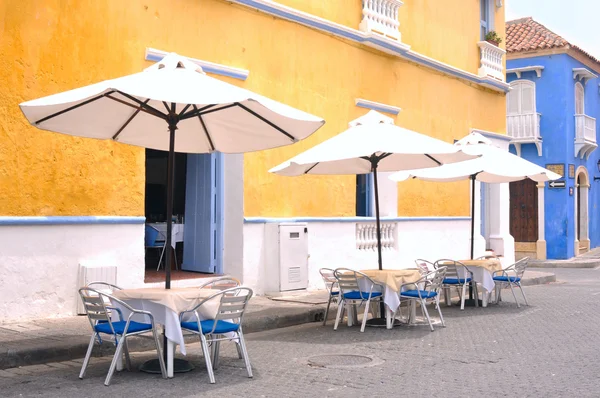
339 361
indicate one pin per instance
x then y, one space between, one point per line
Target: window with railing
523 122
585 126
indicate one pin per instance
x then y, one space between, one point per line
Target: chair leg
340 313
239 350
113 364
365 316
162 252
439 309
447 297
216 345
424 309
462 299
513 293
127 357
161 359
88 354
245 353
523 293
327 310
206 352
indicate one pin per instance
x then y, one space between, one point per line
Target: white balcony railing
585 135
525 127
366 236
491 61
381 16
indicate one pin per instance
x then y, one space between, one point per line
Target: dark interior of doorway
156 199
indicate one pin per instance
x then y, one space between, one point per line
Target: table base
179 366
471 303
382 323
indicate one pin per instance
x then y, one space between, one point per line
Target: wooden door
524 211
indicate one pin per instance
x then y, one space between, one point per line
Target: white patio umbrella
173 106
493 166
372 143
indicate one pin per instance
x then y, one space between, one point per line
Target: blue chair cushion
455 281
506 279
207 326
335 293
120 326
356 295
415 294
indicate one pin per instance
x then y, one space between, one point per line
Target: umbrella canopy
210 115
493 166
173 106
372 138
372 143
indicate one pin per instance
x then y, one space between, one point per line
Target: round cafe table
166 305
392 280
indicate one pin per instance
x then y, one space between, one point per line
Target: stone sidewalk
62 339
590 259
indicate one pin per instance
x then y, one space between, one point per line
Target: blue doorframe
204 201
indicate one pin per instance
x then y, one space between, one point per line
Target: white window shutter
527 99
513 99
579 104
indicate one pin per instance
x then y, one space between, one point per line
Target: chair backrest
451 270
221 283
435 279
94 303
232 304
520 266
103 286
424 266
329 279
347 280
151 236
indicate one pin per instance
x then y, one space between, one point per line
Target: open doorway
582 240
197 234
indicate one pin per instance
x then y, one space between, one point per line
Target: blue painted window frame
484 23
364 205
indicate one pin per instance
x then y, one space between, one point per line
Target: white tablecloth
176 232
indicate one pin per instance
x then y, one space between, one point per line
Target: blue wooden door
203 234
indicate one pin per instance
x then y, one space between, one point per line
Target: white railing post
381 17
366 236
491 61
524 126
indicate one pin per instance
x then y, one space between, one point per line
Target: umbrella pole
170 188
378 222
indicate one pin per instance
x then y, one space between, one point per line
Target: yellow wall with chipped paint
52 45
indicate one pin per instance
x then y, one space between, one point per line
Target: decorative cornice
583 74
537 69
153 54
490 134
71 220
377 106
390 46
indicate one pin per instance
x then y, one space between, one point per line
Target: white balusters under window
381 17
491 61
366 236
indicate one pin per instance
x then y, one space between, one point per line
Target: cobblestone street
550 348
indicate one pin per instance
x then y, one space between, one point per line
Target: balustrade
381 16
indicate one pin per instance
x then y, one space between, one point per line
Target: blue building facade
551 116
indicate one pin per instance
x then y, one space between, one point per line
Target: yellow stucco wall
51 46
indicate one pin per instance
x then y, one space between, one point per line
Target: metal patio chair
220 283
454 279
509 277
154 239
426 289
331 284
424 266
351 293
227 325
100 315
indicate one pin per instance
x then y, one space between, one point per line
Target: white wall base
503 246
332 244
40 264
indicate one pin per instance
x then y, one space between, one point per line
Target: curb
541 278
75 347
564 264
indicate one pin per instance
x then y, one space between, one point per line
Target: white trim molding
536 68
377 106
153 54
490 134
583 75
373 40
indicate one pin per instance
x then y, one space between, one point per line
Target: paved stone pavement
547 349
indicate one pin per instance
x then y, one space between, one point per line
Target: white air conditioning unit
94 273
287 264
